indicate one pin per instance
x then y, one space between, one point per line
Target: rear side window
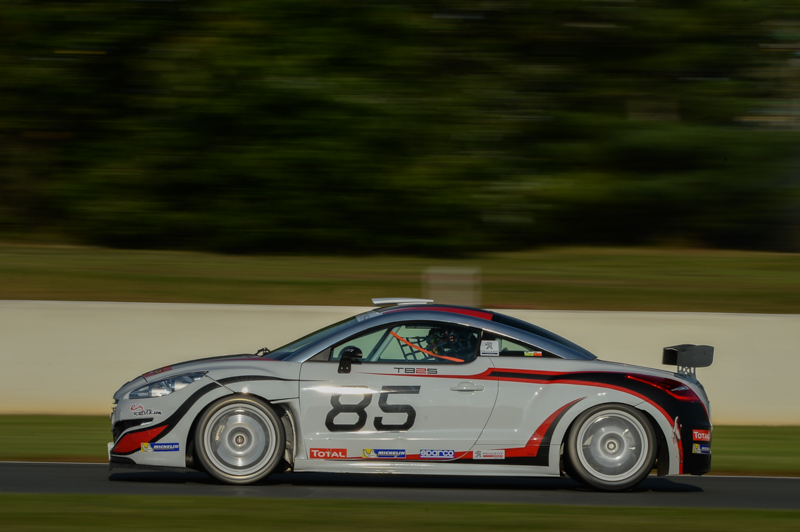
506 347
544 333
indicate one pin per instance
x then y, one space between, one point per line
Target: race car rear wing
688 357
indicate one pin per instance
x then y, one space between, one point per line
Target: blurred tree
406 127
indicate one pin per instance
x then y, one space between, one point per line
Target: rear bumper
697 464
696 452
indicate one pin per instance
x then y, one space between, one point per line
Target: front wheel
611 447
239 440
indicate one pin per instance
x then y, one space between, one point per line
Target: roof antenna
385 301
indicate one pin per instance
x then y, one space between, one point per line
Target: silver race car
419 388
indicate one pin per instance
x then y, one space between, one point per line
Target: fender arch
285 414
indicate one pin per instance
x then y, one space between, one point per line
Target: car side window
418 343
366 342
514 348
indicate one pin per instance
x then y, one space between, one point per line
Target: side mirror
350 354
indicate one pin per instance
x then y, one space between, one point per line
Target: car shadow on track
651 484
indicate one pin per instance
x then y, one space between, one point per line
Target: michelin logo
160 447
384 453
437 454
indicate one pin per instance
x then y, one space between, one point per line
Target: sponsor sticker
328 453
383 453
701 448
490 348
139 410
676 431
489 455
533 353
437 454
157 371
160 447
701 435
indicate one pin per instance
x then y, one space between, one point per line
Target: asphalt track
683 491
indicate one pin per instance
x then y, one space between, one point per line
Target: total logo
328 453
160 447
489 455
437 454
383 453
701 435
417 371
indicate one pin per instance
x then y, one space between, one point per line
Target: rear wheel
611 447
239 440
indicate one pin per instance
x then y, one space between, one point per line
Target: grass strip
54 438
741 450
651 279
773 451
106 512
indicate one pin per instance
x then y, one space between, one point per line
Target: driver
451 342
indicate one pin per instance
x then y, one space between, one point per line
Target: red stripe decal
134 440
530 376
533 444
488 375
466 312
459 455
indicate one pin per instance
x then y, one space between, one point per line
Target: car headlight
166 386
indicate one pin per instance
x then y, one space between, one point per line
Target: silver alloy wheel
240 440
612 445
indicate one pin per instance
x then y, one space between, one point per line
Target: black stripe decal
176 417
542 457
691 414
245 378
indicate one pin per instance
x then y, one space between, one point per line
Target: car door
418 393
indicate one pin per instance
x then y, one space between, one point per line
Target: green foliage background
405 127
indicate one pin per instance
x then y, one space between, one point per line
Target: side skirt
420 468
119 465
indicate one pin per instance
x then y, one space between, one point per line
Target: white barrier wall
70 357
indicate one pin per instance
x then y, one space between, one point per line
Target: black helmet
451 342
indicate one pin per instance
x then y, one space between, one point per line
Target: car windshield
544 333
282 353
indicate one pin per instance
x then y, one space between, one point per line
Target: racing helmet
451 342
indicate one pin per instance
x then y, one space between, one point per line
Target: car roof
491 321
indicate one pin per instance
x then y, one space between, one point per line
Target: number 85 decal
360 410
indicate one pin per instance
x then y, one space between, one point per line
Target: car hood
216 367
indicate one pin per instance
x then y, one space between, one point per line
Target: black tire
239 440
611 447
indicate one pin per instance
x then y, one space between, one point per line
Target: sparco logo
437 453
